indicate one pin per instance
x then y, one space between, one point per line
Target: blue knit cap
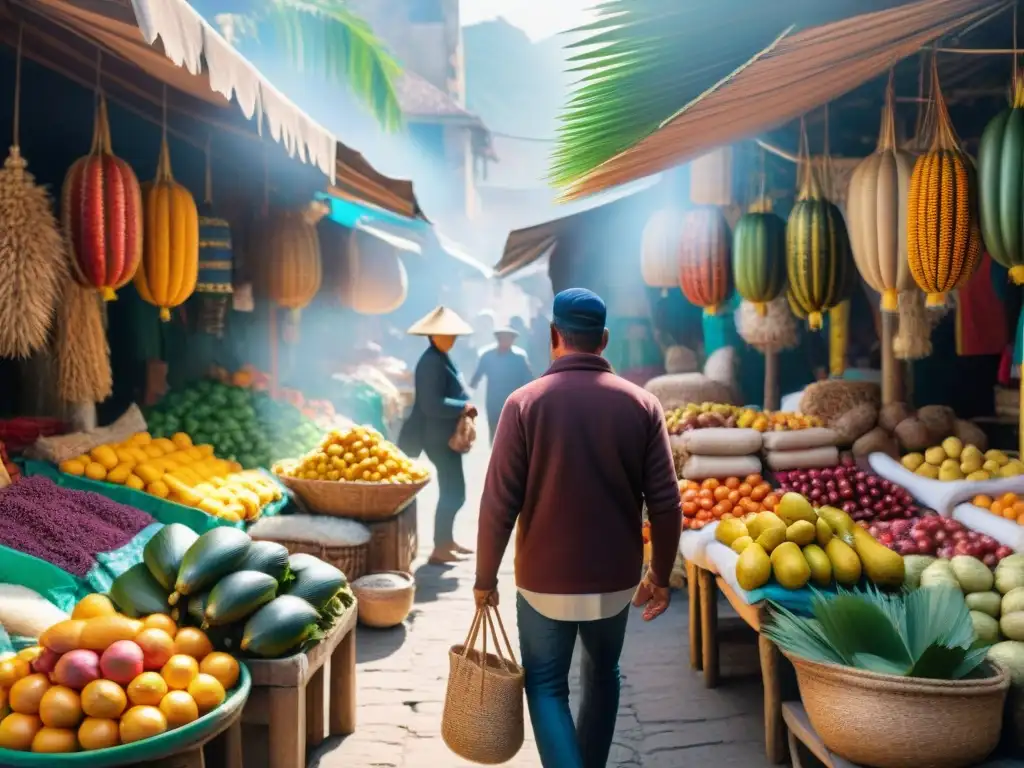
578 310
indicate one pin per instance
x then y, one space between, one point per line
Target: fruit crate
394 542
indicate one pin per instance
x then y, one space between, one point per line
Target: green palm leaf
325 38
644 61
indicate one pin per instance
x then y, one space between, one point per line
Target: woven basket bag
483 706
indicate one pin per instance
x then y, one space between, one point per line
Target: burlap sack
64 447
482 719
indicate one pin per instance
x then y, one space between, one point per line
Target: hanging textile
980 315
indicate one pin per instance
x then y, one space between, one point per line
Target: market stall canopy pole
800 71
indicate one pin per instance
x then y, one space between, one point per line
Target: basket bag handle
483 620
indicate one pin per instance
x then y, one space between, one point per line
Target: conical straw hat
440 322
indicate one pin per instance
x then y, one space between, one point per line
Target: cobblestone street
667 719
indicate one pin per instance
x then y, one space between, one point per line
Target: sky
537 18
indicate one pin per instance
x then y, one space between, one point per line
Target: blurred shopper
577 455
506 368
440 401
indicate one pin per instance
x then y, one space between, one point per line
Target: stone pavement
667 719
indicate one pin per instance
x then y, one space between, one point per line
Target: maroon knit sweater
576 455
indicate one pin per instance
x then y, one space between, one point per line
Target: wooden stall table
288 695
801 732
708 588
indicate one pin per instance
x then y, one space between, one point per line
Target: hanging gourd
33 263
293 272
818 260
170 254
375 280
659 250
214 283
759 253
943 235
1001 185
101 212
705 277
876 211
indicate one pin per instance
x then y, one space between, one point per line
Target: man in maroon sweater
577 454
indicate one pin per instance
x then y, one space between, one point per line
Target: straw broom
81 349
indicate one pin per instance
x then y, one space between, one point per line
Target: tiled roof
420 98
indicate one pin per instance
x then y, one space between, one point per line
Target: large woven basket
384 607
353 561
887 721
355 500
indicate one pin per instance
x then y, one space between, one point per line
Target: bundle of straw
81 349
33 261
914 339
772 332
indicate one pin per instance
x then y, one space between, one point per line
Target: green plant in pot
926 633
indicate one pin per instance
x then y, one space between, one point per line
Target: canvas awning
168 41
800 71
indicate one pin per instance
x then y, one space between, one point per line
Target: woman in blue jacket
441 400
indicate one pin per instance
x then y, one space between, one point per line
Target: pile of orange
710 500
1009 505
48 709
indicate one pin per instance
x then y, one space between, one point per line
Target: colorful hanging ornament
101 211
705 276
876 211
214 283
818 260
659 250
293 266
943 234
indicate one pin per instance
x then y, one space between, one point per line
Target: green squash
279 627
759 258
238 595
136 593
215 554
1001 187
164 552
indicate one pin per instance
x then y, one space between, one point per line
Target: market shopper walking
506 368
577 454
440 401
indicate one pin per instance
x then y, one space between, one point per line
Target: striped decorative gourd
1001 186
759 258
876 211
943 235
659 250
293 269
818 261
170 256
705 275
101 213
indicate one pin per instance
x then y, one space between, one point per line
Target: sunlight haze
537 19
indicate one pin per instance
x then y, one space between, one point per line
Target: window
426 11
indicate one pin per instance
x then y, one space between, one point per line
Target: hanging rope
16 132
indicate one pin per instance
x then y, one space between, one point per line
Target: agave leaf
972 660
937 616
873 663
800 637
938 662
854 623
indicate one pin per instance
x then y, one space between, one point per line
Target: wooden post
709 626
287 727
343 687
693 593
774 727
315 721
771 380
892 373
273 334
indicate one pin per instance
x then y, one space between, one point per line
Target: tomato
760 492
753 480
706 503
750 505
689 508
693 485
732 482
710 484
745 489
689 494
770 501
734 497
725 505
721 492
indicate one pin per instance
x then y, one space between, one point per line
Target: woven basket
385 607
889 721
354 500
350 560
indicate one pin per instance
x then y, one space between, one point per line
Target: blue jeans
546 646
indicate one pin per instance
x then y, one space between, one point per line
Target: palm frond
644 61
325 38
927 633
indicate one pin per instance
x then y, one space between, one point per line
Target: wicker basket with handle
355 500
927 723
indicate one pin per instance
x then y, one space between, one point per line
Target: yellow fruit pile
360 454
798 544
59 697
952 460
179 471
708 415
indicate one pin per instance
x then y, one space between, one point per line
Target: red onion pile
939 537
862 495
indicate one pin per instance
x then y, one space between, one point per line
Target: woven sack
483 705
464 436
64 447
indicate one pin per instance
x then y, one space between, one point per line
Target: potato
855 422
876 441
971 434
939 420
892 414
913 435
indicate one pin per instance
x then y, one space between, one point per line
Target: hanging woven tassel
838 338
81 348
33 257
214 284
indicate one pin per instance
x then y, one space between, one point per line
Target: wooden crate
394 541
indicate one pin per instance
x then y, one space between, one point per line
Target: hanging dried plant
773 331
81 349
33 261
914 339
